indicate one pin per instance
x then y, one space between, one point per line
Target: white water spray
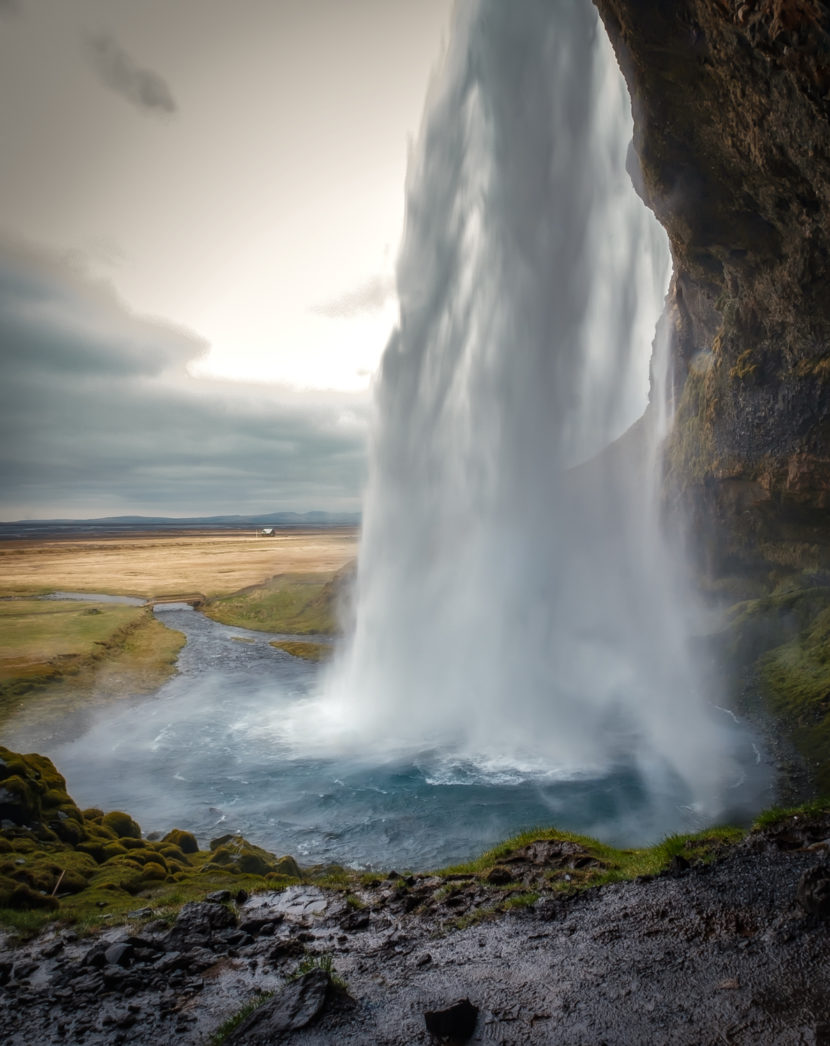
517 605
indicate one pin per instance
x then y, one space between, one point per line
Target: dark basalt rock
813 893
201 919
454 1024
298 1005
732 129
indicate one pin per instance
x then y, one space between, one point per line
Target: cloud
99 416
368 297
142 87
10 7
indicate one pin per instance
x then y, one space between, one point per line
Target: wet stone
261 925
119 954
171 961
813 891
298 1005
219 897
456 1022
354 921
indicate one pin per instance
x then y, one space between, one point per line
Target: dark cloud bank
99 416
143 88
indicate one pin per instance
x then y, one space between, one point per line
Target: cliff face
732 127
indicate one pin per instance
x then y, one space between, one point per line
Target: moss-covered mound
88 866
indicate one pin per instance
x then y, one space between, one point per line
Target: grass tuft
233 1022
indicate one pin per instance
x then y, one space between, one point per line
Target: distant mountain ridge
32 527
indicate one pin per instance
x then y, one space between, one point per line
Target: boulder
813 891
298 1005
455 1023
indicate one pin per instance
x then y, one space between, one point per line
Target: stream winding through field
216 750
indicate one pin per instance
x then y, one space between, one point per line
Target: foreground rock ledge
736 951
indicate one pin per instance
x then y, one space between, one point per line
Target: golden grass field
60 658
152 565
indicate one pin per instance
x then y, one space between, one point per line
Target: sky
201 208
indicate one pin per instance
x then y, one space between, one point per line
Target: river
222 747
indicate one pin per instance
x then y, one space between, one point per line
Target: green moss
122 825
184 841
797 679
236 854
783 638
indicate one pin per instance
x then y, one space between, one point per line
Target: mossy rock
19 803
185 841
99 832
118 877
94 848
67 830
113 849
233 853
125 861
174 853
147 856
23 897
76 862
122 824
63 880
288 866
92 813
22 844
53 797
154 872
131 842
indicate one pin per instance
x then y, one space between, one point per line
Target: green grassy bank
57 657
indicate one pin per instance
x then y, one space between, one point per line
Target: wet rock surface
731 104
736 951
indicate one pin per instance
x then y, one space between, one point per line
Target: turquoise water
216 750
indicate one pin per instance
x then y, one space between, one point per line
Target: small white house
267 532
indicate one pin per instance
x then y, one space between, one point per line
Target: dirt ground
178 563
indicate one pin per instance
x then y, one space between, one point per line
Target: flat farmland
152 565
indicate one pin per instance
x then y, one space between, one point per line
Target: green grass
55 655
611 864
299 604
307 651
233 1022
37 635
777 815
322 962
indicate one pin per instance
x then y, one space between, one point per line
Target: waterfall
517 605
